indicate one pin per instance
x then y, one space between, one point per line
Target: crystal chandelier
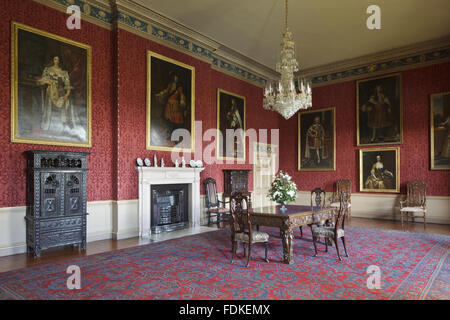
288 95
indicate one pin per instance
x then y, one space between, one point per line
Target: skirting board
119 219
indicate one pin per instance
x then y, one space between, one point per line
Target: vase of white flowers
283 190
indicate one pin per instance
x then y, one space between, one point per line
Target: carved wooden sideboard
234 180
56 199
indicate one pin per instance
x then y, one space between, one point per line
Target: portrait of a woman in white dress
52 99
56 98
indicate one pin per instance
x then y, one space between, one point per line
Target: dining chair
216 208
415 201
342 185
318 199
241 227
336 231
246 193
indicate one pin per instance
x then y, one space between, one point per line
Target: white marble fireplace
148 176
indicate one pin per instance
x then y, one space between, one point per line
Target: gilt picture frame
317 140
50 88
440 131
379 117
170 104
379 170
231 117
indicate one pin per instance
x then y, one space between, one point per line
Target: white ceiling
325 31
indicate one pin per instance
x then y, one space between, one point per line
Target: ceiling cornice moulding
150 24
404 58
221 56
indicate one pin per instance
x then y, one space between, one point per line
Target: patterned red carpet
412 265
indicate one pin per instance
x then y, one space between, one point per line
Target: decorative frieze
154 26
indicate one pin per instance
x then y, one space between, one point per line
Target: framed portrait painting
379 111
50 88
379 170
170 104
317 140
440 131
230 126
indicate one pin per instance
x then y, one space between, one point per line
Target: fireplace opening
170 206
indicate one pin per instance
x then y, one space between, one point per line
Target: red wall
12 159
118 105
132 108
417 85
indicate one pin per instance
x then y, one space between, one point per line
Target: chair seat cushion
327 232
219 210
257 236
413 209
338 204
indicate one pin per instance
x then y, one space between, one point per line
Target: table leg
287 237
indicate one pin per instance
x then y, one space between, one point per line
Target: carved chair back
416 193
342 185
318 198
343 211
212 199
240 215
246 193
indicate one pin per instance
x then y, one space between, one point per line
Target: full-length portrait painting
230 126
440 131
50 89
379 111
170 104
317 140
379 169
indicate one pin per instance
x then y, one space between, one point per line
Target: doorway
265 166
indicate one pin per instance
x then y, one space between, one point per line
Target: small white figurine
162 163
155 163
183 162
176 163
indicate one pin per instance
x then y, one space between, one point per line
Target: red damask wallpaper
119 109
12 159
417 85
132 109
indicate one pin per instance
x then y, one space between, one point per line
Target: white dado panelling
12 230
385 206
12 226
120 219
125 219
99 220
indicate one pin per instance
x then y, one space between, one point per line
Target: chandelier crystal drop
289 94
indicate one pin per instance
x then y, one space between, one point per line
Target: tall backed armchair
343 185
216 208
415 202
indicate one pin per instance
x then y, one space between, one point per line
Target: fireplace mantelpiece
148 176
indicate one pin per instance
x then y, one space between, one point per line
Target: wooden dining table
293 217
